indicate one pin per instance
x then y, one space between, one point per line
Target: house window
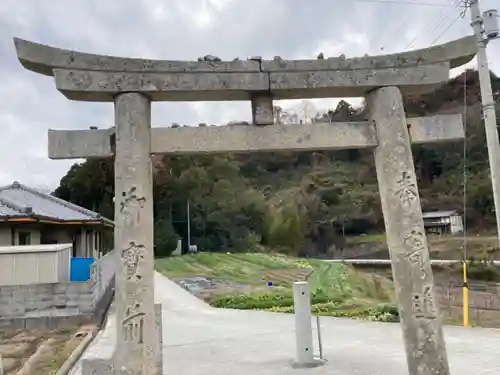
24 238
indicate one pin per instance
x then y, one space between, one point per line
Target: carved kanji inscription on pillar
130 197
416 252
406 190
131 257
133 324
423 304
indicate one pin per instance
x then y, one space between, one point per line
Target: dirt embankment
440 247
39 351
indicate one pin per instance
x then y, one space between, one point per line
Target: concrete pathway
200 340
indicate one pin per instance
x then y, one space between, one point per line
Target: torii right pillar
411 267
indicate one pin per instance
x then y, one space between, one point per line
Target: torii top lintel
90 77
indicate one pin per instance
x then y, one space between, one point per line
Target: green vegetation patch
336 289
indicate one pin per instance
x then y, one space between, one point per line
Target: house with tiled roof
31 217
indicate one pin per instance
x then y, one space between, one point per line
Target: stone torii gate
132 84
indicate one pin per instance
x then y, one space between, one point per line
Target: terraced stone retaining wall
59 304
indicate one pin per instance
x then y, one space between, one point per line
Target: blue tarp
79 270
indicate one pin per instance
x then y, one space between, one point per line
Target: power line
398 30
404 3
445 20
460 15
426 27
434 23
446 29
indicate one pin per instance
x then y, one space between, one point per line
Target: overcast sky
184 30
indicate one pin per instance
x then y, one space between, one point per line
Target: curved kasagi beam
457 53
44 59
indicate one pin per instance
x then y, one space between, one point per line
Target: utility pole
188 226
486 29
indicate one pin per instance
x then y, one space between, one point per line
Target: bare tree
308 112
283 117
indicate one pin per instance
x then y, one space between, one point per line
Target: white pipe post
303 326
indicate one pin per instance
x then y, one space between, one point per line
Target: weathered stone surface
89 77
98 366
103 86
136 335
158 344
75 144
44 59
406 240
457 52
262 109
435 129
93 143
107 366
350 83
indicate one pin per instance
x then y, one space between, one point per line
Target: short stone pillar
303 326
411 267
262 109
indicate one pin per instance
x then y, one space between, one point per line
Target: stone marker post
411 267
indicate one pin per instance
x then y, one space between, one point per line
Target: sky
184 30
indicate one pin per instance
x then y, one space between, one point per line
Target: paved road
200 340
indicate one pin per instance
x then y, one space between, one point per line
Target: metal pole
490 119
465 292
320 342
188 226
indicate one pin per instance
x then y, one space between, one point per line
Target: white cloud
173 29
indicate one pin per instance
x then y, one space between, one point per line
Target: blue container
79 270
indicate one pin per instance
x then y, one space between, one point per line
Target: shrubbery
321 303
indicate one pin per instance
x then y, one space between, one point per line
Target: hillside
264 281
302 203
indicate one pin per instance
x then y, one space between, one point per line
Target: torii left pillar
138 350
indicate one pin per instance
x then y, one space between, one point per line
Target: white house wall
5 234
457 224
33 264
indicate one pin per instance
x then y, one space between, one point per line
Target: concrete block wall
57 304
45 299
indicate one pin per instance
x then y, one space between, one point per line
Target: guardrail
439 262
484 297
